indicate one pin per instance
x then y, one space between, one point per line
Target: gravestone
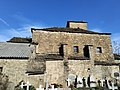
40 88
79 82
27 85
106 82
84 82
102 82
99 83
68 82
75 84
72 78
47 85
88 81
92 81
52 87
112 87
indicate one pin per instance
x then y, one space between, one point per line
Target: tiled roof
20 40
106 63
15 50
70 30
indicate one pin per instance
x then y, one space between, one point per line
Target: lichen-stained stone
49 42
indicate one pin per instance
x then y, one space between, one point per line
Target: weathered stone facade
49 42
99 49
60 52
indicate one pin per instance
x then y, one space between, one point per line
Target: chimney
77 24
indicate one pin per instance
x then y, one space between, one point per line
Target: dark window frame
98 50
75 49
1 69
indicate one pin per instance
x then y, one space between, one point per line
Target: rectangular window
1 68
98 50
75 48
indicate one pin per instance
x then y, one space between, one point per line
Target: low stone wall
55 72
16 69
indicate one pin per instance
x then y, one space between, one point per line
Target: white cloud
96 30
2 20
24 31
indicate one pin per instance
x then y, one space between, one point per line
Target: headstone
106 82
52 87
40 88
75 84
92 81
22 84
112 87
102 82
79 82
47 85
68 82
27 85
10 86
88 81
72 77
84 82
99 83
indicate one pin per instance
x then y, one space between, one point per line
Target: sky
17 17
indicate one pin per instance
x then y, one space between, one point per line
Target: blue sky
18 16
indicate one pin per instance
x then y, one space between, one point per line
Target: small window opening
99 50
75 48
86 51
1 68
61 50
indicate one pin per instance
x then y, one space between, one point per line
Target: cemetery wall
49 42
16 69
80 67
55 72
100 72
84 69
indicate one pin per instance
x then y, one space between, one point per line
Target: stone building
55 54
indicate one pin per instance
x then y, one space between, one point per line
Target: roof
77 21
15 50
106 63
20 40
70 30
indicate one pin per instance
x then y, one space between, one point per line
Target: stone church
56 54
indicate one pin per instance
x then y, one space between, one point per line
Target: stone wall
55 72
16 69
49 42
84 69
100 72
81 25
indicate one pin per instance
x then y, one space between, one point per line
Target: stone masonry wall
49 42
78 25
100 72
83 69
80 68
15 69
54 72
